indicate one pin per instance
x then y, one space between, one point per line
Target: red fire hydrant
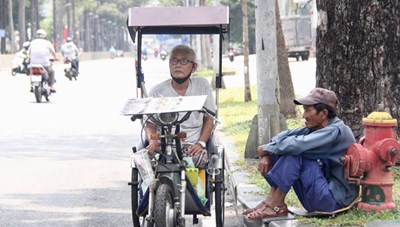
368 162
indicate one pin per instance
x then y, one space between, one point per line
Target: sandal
260 205
268 212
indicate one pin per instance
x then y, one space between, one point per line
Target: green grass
236 116
210 72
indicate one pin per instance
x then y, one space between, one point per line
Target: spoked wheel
38 93
220 195
164 213
135 196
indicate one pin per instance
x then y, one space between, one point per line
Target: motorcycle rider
23 53
70 50
40 52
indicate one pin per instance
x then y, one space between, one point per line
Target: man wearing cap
309 160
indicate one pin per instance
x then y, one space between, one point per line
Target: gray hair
185 49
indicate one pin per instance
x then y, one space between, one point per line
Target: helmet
41 33
69 39
26 44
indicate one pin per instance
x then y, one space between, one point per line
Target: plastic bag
200 192
142 161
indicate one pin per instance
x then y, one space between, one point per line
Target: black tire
68 74
135 196
14 72
74 73
305 57
219 196
38 93
46 92
46 96
163 205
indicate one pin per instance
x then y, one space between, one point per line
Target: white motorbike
20 64
39 82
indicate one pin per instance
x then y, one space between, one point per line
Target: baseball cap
318 95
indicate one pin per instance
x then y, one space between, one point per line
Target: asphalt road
67 162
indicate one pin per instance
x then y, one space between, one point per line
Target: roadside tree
358 55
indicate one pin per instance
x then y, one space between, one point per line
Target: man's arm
206 130
53 53
310 144
151 129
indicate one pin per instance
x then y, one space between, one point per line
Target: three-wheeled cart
180 198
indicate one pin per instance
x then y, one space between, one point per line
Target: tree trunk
11 26
3 13
286 105
34 17
247 91
21 22
358 57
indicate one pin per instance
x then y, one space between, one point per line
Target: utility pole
267 71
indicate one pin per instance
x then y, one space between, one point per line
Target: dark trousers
307 180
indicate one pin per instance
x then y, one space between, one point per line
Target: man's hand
265 164
195 149
260 151
151 148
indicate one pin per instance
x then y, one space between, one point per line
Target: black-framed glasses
182 61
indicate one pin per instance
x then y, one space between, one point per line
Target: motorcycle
169 186
163 55
39 83
69 70
20 64
231 55
144 57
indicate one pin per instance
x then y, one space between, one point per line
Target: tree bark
287 96
247 91
3 13
358 57
21 22
11 26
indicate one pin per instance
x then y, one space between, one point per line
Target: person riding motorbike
113 52
23 59
24 51
40 52
70 50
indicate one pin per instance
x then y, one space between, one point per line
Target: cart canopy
179 20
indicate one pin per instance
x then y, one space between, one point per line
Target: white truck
298 36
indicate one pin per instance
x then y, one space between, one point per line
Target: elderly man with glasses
199 126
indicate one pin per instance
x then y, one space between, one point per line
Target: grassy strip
210 72
236 117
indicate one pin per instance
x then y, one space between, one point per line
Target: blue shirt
329 144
